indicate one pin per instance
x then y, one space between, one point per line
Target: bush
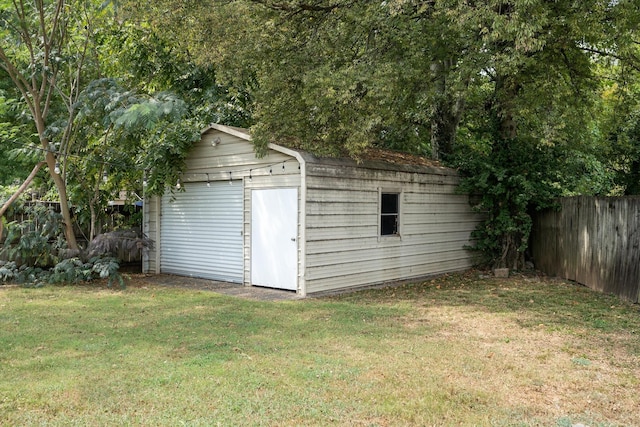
8 272
23 274
108 268
508 182
71 270
35 247
74 270
37 241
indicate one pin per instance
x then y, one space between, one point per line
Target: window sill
389 238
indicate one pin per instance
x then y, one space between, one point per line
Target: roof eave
239 132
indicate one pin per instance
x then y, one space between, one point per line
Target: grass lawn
455 350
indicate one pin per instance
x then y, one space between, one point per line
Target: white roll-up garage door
201 232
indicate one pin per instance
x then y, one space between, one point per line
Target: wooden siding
343 246
593 241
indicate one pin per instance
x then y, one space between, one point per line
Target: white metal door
201 232
274 232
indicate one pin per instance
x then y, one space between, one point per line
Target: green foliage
35 247
67 271
74 270
507 185
71 270
345 79
8 271
151 59
130 217
23 274
37 240
135 132
5 193
625 148
47 51
107 268
14 134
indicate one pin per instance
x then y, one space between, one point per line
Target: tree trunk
511 257
446 113
94 219
64 203
506 92
444 125
17 194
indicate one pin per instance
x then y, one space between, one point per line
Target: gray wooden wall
594 241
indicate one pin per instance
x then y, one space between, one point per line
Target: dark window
389 213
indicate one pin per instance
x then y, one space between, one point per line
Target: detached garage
293 221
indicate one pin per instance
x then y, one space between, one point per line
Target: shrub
8 272
34 248
36 241
71 270
509 182
74 270
23 274
108 268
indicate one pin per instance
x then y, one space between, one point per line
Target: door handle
293 239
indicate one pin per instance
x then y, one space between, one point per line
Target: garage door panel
202 232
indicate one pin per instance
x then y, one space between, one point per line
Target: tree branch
18 79
46 48
20 190
631 61
24 30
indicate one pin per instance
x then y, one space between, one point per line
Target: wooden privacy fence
594 241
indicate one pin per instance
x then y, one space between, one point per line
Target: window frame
398 193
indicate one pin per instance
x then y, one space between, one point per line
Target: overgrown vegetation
67 271
508 186
454 350
36 252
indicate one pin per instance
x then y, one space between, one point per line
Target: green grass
456 350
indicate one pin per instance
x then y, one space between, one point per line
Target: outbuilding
294 221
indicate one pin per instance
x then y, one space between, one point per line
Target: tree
536 89
152 60
359 74
331 77
131 134
620 121
44 50
141 123
624 155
